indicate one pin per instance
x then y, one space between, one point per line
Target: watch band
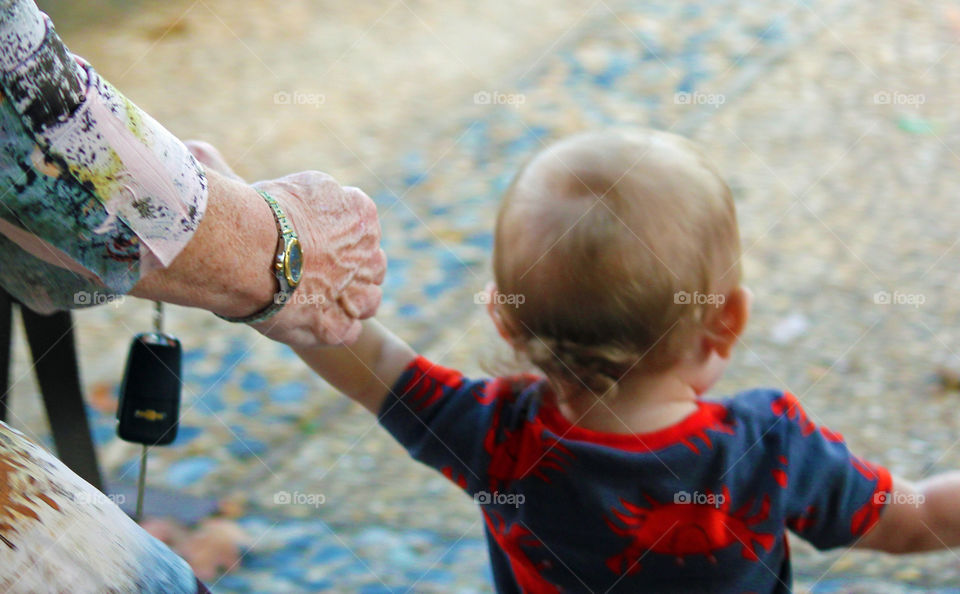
286 237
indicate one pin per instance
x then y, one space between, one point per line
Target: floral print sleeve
94 193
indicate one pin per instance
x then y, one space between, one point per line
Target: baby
611 472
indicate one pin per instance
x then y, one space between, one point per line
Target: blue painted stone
420 244
129 469
502 182
528 142
481 240
687 84
247 447
652 53
400 555
250 407
288 354
488 572
292 392
253 381
398 264
451 262
103 433
436 576
434 290
408 311
285 419
210 403
255 561
237 353
184 473
375 536
772 32
329 553
381 589
233 583
415 179
193 355
302 542
319 585
385 198
393 281
618 67
205 382
694 43
187 433
295 574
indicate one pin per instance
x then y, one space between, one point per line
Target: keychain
148 412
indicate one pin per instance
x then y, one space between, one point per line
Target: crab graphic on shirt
512 541
869 512
458 479
788 405
427 385
526 450
682 529
721 424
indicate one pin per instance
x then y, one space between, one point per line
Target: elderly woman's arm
98 199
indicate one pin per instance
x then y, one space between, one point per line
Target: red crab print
428 383
686 529
867 515
512 542
526 450
720 424
779 474
869 470
789 406
504 387
869 512
804 521
459 480
831 435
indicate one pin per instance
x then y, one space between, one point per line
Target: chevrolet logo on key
149 415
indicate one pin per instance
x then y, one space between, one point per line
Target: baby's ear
490 296
725 325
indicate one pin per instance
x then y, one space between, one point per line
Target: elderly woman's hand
343 264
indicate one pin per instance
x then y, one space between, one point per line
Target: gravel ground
831 121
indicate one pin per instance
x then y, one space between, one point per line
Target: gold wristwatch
287 267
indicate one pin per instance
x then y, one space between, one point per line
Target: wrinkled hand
343 264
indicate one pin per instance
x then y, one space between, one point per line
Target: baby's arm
920 517
366 370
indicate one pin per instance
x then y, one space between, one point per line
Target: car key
148 411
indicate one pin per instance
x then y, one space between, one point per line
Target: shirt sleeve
833 496
89 183
441 418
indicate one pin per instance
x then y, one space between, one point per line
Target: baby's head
621 245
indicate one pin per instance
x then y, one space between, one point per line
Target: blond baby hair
613 238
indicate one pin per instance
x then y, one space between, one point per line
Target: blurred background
834 123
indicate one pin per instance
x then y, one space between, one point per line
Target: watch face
293 263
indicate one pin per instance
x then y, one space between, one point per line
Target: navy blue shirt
700 506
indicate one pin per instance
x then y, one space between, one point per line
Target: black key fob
149 407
